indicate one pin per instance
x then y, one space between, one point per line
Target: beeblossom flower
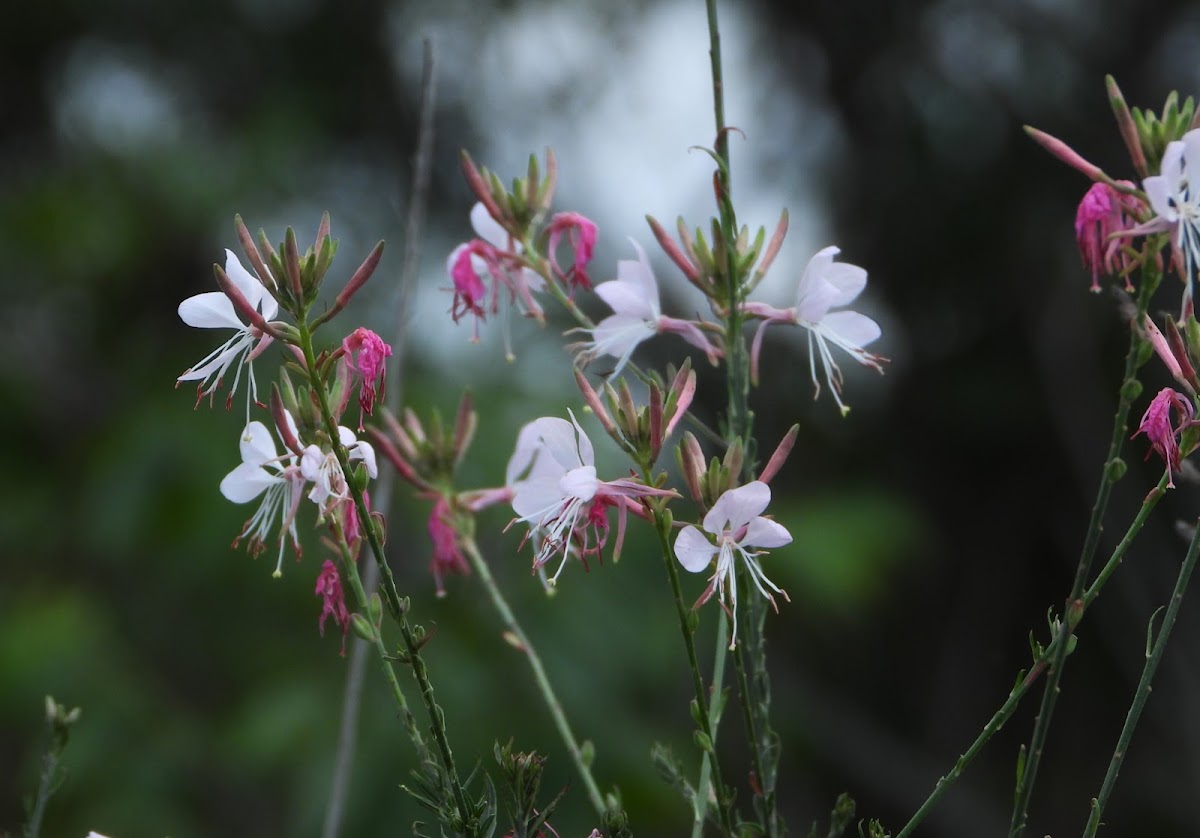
325 472
1174 195
557 493
1103 212
494 255
447 553
213 310
1163 435
368 354
637 316
277 478
737 524
580 232
824 285
333 600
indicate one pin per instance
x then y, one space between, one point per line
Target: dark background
934 526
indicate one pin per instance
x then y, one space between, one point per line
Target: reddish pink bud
1065 153
780 456
333 600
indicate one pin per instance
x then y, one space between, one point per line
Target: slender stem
714 724
998 719
724 800
539 673
47 784
1072 609
343 766
396 608
1143 688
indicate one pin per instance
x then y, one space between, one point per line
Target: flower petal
628 299
693 549
737 507
246 482
489 229
763 532
257 445
849 328
210 310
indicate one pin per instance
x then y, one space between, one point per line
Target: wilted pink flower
333 600
581 233
447 555
1102 212
1156 425
368 353
736 522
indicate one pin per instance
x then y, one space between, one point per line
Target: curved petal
848 279
253 290
1157 192
210 310
693 549
619 334
763 532
366 452
257 445
535 498
629 299
849 328
579 483
818 297
639 273
560 441
246 482
815 270
587 454
489 229
738 507
525 455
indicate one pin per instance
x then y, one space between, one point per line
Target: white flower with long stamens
1175 197
325 472
736 522
277 478
824 285
557 493
213 310
637 316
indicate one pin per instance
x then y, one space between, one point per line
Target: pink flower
581 233
333 600
560 497
637 316
447 555
368 352
824 285
1103 212
494 256
1156 425
736 522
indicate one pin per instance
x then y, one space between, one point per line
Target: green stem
724 799
1143 688
539 674
396 608
714 724
998 719
1072 609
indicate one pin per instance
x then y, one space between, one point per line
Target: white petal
629 299
1157 191
849 328
346 436
1191 163
815 270
639 273
587 454
489 229
579 483
246 482
533 498
311 462
763 532
848 279
524 455
693 549
248 284
366 452
559 438
257 445
738 507
211 310
619 334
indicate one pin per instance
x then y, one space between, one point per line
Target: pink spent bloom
1104 211
1156 425
447 554
581 234
637 316
738 526
557 493
824 285
333 601
368 352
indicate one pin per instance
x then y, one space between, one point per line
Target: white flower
637 315
325 472
737 523
213 310
278 479
824 285
557 493
1175 197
